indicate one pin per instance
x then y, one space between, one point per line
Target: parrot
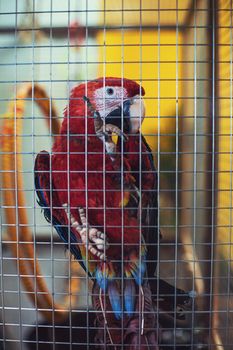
101 197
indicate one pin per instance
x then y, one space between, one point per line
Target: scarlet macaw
101 196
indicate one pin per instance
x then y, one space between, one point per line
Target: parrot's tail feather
101 279
136 268
139 273
115 299
129 296
104 274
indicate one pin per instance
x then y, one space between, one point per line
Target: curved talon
104 131
114 129
100 235
95 234
82 216
95 252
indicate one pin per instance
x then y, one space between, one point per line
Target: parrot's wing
150 215
47 199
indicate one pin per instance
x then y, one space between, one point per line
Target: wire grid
187 142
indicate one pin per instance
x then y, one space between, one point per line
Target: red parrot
101 199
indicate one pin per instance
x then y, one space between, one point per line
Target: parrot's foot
113 129
90 236
110 146
104 132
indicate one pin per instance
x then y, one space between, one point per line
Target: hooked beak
129 116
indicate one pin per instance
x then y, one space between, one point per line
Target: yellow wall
143 12
135 56
225 161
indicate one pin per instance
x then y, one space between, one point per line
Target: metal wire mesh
180 52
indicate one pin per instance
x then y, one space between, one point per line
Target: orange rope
22 244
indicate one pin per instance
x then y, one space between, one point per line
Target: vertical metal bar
51 203
68 177
140 172
122 173
158 164
177 168
229 296
216 305
68 156
194 164
209 291
106 329
215 325
215 300
16 182
33 152
86 172
51 196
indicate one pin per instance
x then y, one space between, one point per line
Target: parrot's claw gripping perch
90 236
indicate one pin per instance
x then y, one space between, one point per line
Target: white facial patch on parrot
137 113
109 98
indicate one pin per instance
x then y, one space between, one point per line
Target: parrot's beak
120 117
129 116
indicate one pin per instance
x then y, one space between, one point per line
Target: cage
180 52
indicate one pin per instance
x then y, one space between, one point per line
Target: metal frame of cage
209 290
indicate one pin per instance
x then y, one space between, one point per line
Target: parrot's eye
110 91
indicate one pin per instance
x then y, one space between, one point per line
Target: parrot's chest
91 175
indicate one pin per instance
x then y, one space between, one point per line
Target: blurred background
180 51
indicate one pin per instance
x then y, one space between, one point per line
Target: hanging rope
22 241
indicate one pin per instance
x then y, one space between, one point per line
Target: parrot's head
117 101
